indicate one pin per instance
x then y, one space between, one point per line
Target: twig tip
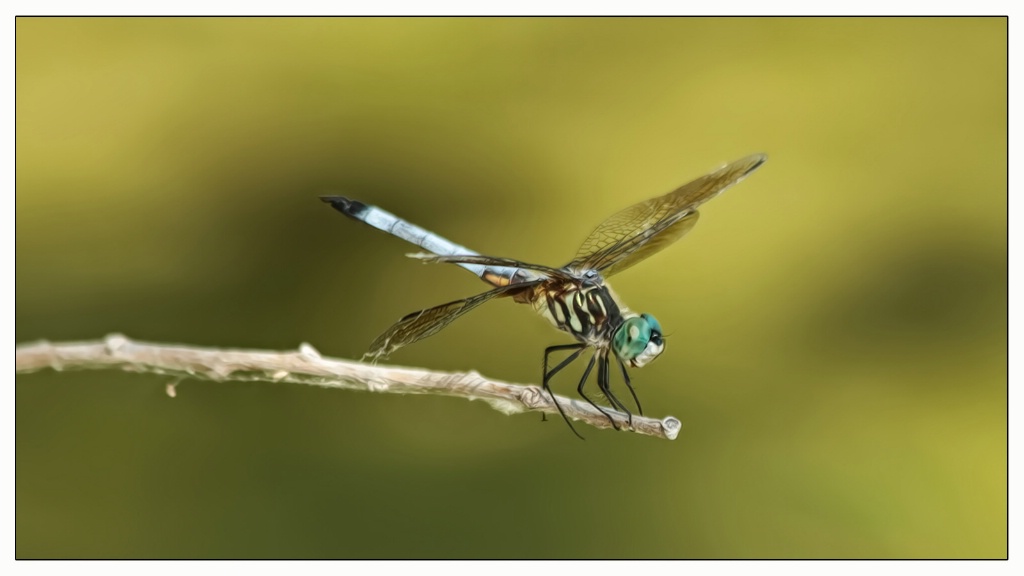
672 426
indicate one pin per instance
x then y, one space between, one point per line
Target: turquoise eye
652 322
638 337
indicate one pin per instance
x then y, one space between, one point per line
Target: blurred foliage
837 323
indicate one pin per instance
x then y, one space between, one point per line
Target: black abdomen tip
347 207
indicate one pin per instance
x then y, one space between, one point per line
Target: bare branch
306 366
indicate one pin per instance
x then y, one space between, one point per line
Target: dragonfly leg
547 376
550 349
579 389
604 377
625 376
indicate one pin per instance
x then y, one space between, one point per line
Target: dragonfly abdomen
400 228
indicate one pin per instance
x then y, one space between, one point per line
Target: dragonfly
575 298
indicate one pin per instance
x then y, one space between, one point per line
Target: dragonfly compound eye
638 340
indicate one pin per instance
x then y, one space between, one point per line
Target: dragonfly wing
637 248
642 229
494 261
419 325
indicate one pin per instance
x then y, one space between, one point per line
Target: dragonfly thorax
593 316
589 312
638 340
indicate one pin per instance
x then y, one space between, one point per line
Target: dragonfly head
638 340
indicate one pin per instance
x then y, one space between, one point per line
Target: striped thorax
592 314
588 312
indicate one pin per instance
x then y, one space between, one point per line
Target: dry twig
306 366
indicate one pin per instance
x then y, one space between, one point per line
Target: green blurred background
838 322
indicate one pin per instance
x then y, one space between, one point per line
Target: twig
306 366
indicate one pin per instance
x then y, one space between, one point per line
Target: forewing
419 325
636 248
623 239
